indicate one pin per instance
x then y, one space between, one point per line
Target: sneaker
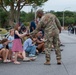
61 49
62 45
43 52
26 59
31 55
37 53
33 58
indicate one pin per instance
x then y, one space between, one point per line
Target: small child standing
10 43
17 43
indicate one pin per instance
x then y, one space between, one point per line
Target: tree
15 6
69 20
3 18
27 17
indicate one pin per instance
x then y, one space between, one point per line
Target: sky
56 5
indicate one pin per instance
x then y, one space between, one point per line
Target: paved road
36 67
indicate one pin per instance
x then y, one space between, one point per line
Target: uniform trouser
48 45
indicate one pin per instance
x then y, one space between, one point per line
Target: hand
27 34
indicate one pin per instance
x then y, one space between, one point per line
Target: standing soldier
51 26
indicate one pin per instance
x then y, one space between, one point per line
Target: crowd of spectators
20 45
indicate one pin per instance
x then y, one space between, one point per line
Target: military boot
59 62
47 63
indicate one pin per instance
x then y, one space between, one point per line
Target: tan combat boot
59 62
47 63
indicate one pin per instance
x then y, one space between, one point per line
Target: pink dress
17 44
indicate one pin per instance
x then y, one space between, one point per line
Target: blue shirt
27 43
1 46
10 38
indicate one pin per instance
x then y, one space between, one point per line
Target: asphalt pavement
37 67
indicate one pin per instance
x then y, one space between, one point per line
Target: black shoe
61 49
58 62
43 52
62 45
37 53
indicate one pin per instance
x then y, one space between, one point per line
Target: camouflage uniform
50 24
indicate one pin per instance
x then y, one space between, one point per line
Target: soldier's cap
39 11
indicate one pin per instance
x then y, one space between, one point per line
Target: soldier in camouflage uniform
51 26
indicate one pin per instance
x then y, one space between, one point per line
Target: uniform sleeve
58 23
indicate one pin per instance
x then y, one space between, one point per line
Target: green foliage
16 6
3 17
61 20
26 23
37 2
60 14
69 17
7 2
69 20
27 16
69 13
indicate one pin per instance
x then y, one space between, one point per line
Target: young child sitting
4 50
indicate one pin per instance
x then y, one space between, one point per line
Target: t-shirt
1 46
32 24
10 38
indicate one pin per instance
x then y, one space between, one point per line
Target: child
17 44
10 43
29 47
4 50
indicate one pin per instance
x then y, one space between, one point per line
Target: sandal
7 61
33 58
